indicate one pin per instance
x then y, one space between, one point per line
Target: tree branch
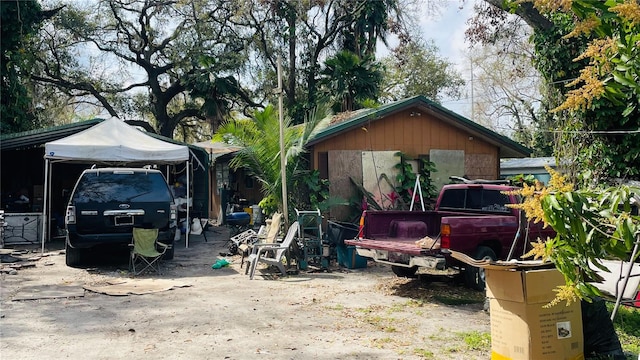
527 12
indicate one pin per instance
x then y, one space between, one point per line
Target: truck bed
406 246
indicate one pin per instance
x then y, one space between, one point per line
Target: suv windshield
118 187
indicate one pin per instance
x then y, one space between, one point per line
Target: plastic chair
144 251
271 253
272 231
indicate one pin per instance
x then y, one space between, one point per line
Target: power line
596 132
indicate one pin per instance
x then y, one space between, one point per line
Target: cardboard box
521 327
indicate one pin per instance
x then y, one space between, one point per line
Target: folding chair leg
254 264
205 224
140 264
282 269
251 259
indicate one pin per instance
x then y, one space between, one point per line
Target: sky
447 29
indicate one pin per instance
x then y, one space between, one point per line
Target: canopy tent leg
187 225
45 205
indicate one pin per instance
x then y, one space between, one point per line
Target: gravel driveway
221 314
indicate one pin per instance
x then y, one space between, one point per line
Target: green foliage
617 68
184 56
318 189
259 139
415 68
591 225
310 192
406 180
19 22
369 25
476 340
627 325
305 34
554 54
348 81
522 179
269 205
403 187
457 299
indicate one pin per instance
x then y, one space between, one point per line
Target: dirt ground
220 314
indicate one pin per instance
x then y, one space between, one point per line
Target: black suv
107 203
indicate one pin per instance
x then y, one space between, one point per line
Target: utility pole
473 115
283 160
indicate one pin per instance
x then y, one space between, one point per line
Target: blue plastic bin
349 258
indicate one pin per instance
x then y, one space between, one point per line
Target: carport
112 142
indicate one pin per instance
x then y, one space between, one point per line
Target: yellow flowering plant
590 224
613 68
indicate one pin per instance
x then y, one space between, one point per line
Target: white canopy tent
110 142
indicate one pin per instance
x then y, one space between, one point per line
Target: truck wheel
72 256
474 277
402 271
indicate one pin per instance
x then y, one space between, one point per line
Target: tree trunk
528 13
291 83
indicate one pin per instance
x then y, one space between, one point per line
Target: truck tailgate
406 246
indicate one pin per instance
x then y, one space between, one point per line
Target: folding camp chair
144 251
272 254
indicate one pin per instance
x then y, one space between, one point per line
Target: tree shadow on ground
429 289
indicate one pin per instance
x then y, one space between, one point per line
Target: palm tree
369 25
259 138
348 80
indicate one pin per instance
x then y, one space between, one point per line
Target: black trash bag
600 338
338 232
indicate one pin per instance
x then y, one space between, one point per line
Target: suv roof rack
464 180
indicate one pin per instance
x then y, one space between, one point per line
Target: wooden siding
416 135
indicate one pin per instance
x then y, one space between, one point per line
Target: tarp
217 149
110 142
114 141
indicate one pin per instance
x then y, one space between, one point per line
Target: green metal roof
508 147
36 138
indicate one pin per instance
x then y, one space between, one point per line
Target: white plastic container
256 214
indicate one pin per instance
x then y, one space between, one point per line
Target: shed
528 166
362 145
226 181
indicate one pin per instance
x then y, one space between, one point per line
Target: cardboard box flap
505 285
539 285
500 264
526 286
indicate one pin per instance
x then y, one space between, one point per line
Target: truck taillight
173 215
70 217
361 228
445 236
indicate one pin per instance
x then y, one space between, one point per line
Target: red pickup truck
472 218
